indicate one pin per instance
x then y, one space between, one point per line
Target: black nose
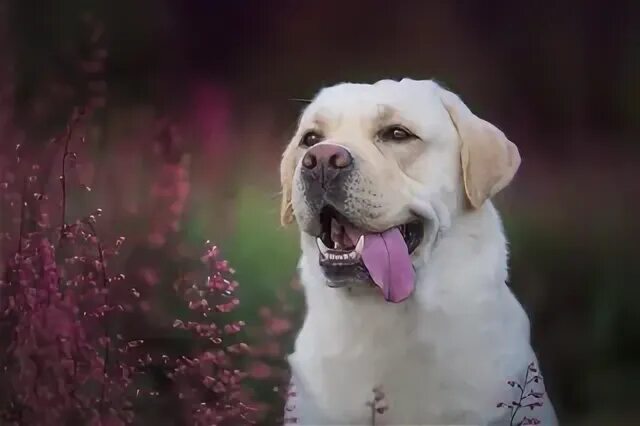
324 162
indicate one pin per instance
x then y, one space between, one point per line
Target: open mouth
349 253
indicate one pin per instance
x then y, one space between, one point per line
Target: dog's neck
468 258
470 252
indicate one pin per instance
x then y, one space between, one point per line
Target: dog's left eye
396 134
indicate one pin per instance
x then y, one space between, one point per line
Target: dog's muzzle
350 254
325 167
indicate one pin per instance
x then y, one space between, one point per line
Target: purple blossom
83 338
527 399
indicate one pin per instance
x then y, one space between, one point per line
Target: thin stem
14 273
107 349
63 179
515 409
372 404
23 208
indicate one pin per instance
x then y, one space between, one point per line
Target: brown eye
310 139
396 134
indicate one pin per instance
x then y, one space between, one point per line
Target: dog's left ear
287 169
489 160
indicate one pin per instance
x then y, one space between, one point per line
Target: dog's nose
324 162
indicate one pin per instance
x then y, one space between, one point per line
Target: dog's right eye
310 139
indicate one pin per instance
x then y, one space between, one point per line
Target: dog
409 320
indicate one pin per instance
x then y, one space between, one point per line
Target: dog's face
371 168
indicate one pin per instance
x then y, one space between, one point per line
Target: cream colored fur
444 355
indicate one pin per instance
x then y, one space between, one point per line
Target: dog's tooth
323 249
353 255
360 245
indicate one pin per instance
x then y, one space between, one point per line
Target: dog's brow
320 120
385 113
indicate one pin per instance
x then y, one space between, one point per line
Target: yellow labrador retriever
404 263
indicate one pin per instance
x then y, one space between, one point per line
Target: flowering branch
63 176
23 206
378 405
527 398
104 278
51 311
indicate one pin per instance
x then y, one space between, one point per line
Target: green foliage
263 253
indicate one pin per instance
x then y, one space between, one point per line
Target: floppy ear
489 160
287 169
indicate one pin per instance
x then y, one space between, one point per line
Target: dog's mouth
350 254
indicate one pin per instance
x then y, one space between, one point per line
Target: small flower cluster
528 398
378 405
209 382
55 311
290 406
199 354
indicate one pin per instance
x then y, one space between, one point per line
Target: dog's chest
340 371
343 387
429 369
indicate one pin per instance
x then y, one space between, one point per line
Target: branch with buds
528 398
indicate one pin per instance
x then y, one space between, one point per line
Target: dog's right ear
287 169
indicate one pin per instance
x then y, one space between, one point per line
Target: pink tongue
386 257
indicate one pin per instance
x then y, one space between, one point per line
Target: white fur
442 357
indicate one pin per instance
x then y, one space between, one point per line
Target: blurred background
197 93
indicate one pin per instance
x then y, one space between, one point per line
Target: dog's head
372 168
